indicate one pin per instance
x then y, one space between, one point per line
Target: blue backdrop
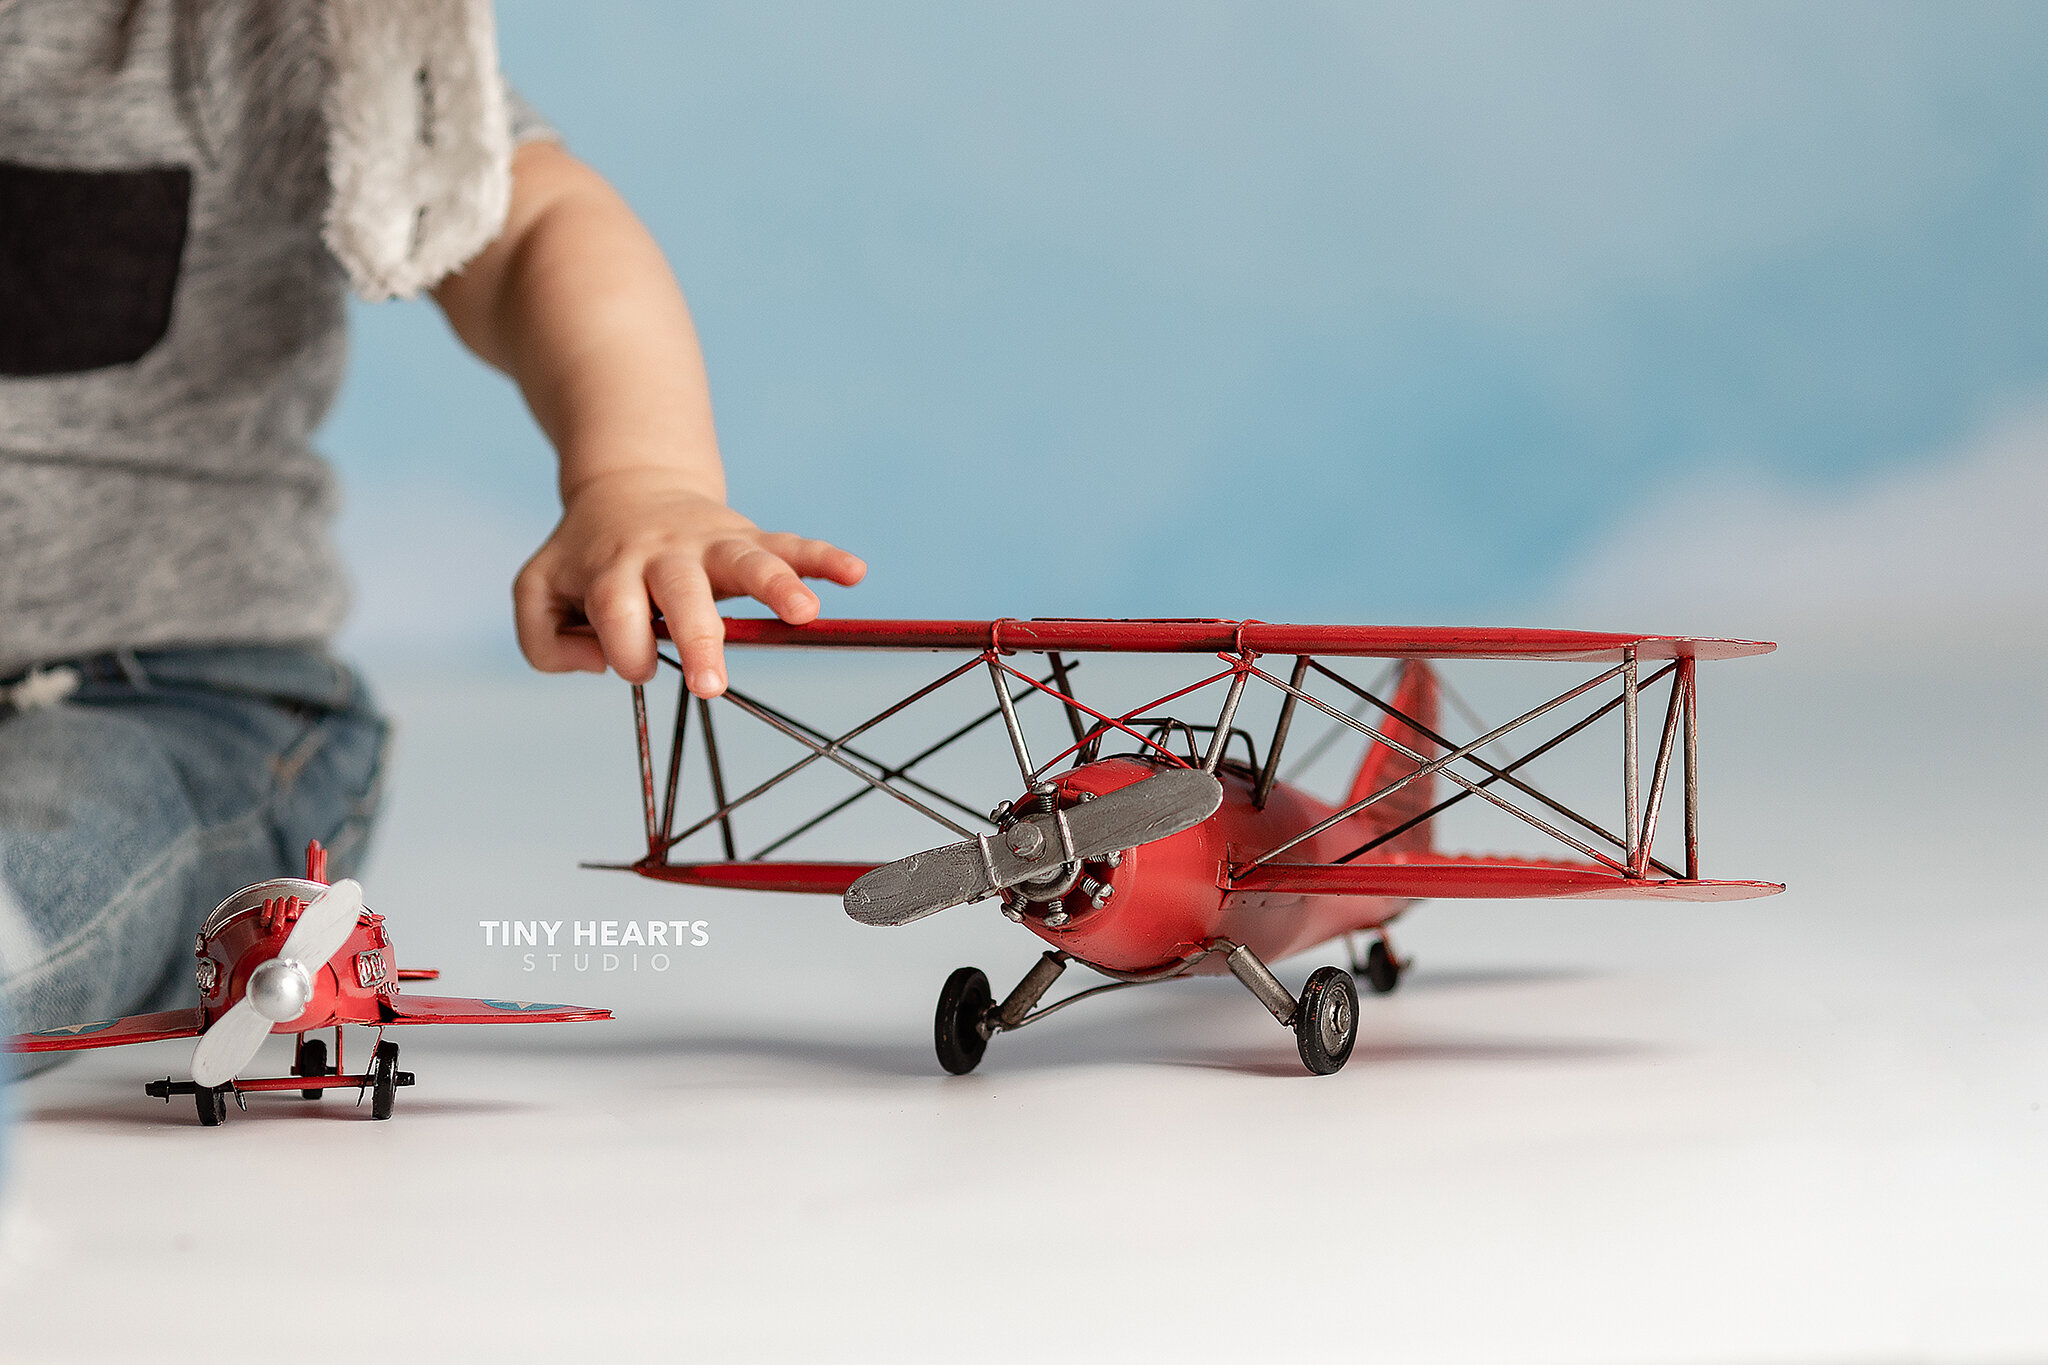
1293 310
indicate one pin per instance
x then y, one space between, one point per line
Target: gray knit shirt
171 326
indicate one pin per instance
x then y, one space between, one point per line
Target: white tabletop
1807 1128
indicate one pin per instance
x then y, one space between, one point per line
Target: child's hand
638 533
575 302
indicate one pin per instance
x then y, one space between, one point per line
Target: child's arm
575 302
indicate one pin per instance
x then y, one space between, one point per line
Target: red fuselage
1170 901
347 989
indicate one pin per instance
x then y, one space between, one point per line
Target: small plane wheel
1326 1020
383 1080
956 1031
213 1106
1382 972
312 1061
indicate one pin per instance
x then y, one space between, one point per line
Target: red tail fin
316 863
1416 697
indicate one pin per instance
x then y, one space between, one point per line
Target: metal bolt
1027 841
1057 916
1098 893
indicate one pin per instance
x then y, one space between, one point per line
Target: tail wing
1415 698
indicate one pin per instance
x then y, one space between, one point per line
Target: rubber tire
213 1106
383 1080
962 1005
312 1061
1328 998
1382 972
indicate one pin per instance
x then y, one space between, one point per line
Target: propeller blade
277 990
958 874
324 925
229 1045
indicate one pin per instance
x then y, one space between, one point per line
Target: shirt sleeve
528 123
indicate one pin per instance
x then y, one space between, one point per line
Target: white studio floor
1804 1129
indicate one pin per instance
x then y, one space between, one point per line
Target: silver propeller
279 990
1029 850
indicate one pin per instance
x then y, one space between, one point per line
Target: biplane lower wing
810 879
1453 878
455 1009
135 1028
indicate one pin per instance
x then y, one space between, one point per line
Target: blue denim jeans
166 781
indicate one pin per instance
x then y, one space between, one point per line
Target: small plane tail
1415 696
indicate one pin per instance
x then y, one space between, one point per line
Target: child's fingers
742 567
817 558
617 607
538 613
684 596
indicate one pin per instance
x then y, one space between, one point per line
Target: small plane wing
455 1009
134 1028
1081 636
1450 877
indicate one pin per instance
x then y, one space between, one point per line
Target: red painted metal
136 1028
1440 878
450 1009
1079 636
357 985
260 1084
1172 898
814 879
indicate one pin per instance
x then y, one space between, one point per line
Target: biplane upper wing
1077 636
455 1009
134 1028
1451 877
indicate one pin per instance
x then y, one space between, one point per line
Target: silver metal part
1031 989
995 673
1690 687
1098 893
1057 918
1630 776
279 990
1658 776
1260 981
831 752
957 874
1427 766
1333 1019
1280 729
1218 740
1012 912
1026 840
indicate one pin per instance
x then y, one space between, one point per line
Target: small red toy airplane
294 955
1169 861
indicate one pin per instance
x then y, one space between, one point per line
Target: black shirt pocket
88 264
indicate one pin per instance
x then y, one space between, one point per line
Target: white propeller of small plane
279 990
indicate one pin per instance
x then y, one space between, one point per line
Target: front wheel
383 1080
957 1032
213 1106
1326 1020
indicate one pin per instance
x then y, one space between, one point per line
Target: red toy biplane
1183 851
294 955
